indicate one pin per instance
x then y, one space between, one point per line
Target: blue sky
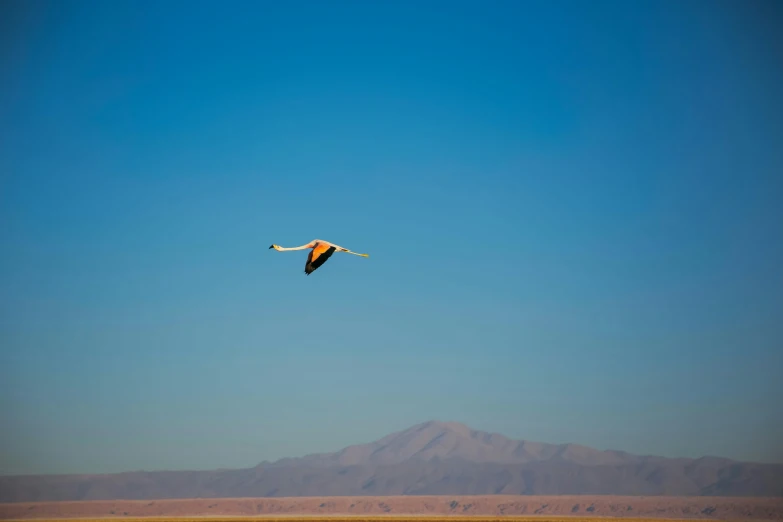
572 210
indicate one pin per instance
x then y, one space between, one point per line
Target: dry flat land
361 518
570 508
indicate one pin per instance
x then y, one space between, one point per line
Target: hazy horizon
572 210
439 424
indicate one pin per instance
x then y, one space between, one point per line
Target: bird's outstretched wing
318 257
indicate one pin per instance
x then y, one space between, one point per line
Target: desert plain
451 507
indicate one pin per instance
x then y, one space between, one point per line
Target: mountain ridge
430 458
520 445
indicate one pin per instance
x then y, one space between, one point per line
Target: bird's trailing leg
355 253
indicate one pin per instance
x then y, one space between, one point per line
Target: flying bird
320 251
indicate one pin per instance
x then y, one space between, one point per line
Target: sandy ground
722 508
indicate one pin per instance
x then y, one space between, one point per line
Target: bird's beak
272 246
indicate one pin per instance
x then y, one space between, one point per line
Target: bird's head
276 247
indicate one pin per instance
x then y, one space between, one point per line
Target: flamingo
320 251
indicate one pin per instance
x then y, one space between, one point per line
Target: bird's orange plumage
319 249
318 256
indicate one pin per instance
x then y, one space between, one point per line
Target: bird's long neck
283 249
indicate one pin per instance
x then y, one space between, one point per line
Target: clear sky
573 214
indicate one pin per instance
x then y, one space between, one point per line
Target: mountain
445 440
433 458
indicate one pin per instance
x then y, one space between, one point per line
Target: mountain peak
443 426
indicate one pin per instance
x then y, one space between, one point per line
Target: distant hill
433 458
